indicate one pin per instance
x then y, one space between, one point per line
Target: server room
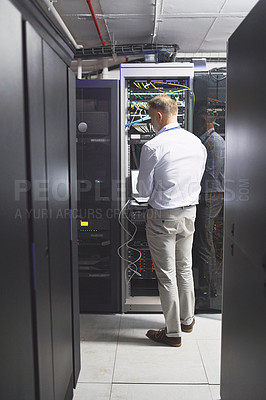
133 254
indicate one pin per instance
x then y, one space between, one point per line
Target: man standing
171 168
210 205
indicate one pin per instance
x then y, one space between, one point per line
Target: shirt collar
166 127
206 135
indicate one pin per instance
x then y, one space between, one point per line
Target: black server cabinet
51 168
56 126
38 207
17 378
73 222
39 287
244 286
210 97
98 195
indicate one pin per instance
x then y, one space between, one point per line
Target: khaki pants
170 238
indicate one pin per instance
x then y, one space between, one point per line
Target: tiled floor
120 363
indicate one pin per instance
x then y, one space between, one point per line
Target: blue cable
138 120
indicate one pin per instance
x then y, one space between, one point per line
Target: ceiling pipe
95 21
79 75
158 6
52 9
105 72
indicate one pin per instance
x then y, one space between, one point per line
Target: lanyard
208 136
171 129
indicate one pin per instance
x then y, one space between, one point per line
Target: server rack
244 283
210 95
38 291
139 83
98 195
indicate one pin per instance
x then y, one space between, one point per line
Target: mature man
210 205
171 168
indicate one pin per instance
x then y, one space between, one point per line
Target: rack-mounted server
139 83
98 195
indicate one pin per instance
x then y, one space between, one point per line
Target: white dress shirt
171 168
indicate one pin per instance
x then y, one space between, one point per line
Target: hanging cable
131 237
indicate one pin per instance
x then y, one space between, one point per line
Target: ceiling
197 26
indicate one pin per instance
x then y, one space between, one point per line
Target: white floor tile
211 355
208 326
159 392
215 391
92 391
99 327
97 361
99 335
142 321
144 361
115 350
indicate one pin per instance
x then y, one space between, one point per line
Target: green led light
84 223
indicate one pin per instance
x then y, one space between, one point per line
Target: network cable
147 117
131 237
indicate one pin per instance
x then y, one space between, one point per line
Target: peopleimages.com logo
58 190
239 190
66 213
86 193
100 190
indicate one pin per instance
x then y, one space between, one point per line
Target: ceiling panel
77 17
195 25
127 6
129 31
84 31
72 7
192 6
187 33
233 6
220 32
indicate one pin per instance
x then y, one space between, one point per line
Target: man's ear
160 115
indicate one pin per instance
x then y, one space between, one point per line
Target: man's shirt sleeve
148 161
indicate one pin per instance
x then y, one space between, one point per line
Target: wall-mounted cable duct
52 9
95 21
124 50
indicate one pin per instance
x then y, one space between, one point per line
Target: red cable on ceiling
95 21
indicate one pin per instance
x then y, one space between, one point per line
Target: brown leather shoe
188 328
160 336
